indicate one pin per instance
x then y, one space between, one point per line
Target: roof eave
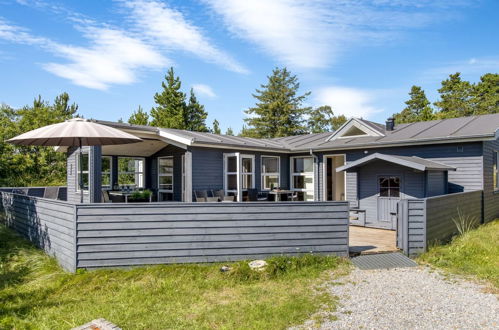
370 145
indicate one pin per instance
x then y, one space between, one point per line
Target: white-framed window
165 178
302 177
496 171
239 173
107 164
231 168
84 172
247 172
131 171
270 168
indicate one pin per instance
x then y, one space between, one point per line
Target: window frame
239 174
265 174
252 173
293 174
170 191
107 187
87 172
399 188
227 173
143 172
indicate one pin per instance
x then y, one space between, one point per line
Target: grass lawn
36 294
474 253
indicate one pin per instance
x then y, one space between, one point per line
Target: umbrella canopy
74 132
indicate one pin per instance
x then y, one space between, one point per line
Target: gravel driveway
411 298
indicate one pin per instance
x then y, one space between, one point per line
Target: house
371 165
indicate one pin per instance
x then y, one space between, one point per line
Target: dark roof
417 163
436 131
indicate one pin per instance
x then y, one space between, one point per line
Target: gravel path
411 298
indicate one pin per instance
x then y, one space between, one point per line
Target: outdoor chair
222 197
105 197
255 196
35 192
293 197
212 198
51 192
201 195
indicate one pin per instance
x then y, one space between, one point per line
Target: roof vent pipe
390 124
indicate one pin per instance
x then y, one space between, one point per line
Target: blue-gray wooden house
371 165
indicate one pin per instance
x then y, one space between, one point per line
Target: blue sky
360 57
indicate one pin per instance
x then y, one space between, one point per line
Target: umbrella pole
81 173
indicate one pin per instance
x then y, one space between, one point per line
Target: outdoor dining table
279 193
126 194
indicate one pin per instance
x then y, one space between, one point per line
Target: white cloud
170 29
313 33
113 57
348 101
475 67
205 90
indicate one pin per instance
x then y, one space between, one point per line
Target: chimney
390 124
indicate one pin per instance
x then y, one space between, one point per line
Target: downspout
316 175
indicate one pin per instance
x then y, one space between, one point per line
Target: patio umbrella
75 132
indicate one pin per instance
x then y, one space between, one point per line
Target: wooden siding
411 186
208 168
436 183
441 210
490 197
427 221
72 194
411 233
49 224
131 234
468 160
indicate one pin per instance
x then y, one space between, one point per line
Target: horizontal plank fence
132 234
49 224
120 235
440 211
428 221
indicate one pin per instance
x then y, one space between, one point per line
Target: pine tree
139 117
456 98
195 116
486 94
322 119
229 132
278 111
418 108
216 127
171 108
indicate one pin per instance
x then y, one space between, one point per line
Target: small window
270 172
389 186
495 174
